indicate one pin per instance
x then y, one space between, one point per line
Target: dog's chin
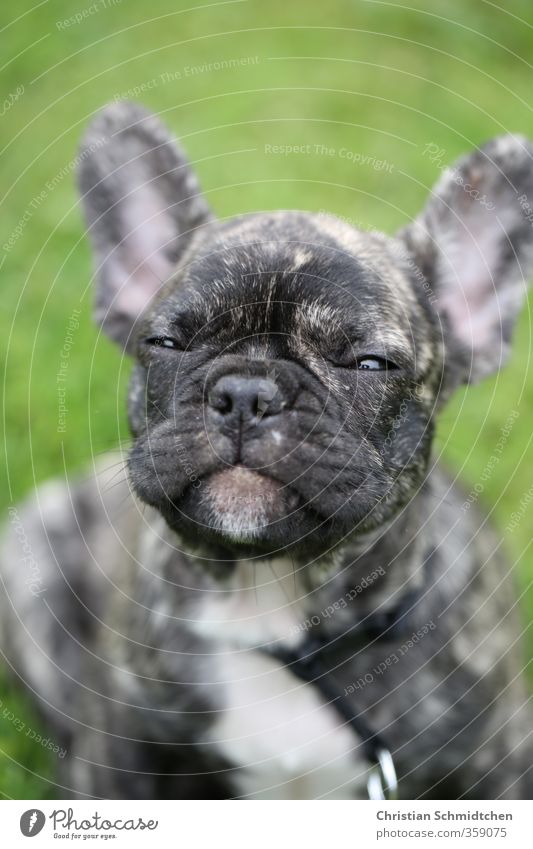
243 510
244 504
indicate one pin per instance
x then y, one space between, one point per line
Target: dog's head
289 366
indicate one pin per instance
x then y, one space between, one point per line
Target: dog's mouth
243 511
243 505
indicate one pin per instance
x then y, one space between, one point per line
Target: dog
286 596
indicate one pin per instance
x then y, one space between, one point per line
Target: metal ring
382 782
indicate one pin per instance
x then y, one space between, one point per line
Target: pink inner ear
141 263
470 297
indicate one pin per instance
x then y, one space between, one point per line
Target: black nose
245 397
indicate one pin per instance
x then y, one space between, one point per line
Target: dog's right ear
142 204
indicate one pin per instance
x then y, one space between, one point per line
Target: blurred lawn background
374 78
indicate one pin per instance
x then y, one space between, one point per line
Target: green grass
374 78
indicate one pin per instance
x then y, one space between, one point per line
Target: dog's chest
284 739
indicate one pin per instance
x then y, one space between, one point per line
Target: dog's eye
163 342
374 364
347 357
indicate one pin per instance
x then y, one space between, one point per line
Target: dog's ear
474 244
142 204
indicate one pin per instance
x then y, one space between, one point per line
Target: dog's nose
250 398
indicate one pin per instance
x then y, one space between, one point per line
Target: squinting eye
374 364
163 342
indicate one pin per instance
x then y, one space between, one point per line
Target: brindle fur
128 683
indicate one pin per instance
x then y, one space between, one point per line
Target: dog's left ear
142 203
474 244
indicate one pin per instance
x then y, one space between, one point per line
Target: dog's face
276 368
288 365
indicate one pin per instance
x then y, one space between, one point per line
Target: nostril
221 401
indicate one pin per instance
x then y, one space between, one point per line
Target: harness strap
306 662
307 665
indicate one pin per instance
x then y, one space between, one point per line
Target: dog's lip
241 481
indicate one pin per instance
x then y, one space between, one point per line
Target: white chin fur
242 523
242 503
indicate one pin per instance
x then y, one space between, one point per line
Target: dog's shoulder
55 579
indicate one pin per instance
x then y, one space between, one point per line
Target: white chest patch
285 740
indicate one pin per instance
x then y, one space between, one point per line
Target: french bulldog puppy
287 597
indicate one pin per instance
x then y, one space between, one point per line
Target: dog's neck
369 573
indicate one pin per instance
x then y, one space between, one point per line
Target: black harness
309 663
